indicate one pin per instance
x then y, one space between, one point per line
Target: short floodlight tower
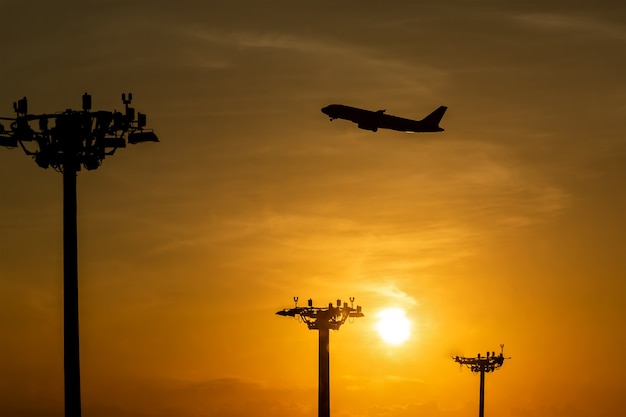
323 319
77 139
482 364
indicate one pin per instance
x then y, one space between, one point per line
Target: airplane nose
325 109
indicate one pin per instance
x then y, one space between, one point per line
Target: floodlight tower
482 364
79 138
323 319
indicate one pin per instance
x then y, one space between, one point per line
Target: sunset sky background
508 227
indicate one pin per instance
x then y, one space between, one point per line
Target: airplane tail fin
433 119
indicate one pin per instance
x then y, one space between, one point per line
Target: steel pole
481 403
323 403
71 354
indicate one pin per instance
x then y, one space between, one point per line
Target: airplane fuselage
374 120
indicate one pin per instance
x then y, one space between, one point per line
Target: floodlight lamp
112 143
119 122
91 162
21 106
141 120
22 130
141 136
8 142
86 102
42 160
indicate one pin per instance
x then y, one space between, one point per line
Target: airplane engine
364 126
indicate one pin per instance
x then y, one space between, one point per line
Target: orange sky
506 228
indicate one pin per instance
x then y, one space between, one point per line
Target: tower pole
71 354
323 403
481 402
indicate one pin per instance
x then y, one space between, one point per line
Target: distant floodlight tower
482 364
323 319
79 138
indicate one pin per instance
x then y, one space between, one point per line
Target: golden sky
506 228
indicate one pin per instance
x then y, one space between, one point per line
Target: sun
393 326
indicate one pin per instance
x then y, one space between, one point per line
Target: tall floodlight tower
482 365
77 138
323 319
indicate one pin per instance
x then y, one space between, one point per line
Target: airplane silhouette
374 120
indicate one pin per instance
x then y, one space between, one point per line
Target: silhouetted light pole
482 364
323 319
79 138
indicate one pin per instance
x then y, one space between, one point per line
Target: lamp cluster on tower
85 135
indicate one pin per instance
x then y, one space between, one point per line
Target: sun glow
393 326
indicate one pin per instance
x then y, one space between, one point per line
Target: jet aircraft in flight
374 120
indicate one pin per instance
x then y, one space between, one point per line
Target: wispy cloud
325 56
573 24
